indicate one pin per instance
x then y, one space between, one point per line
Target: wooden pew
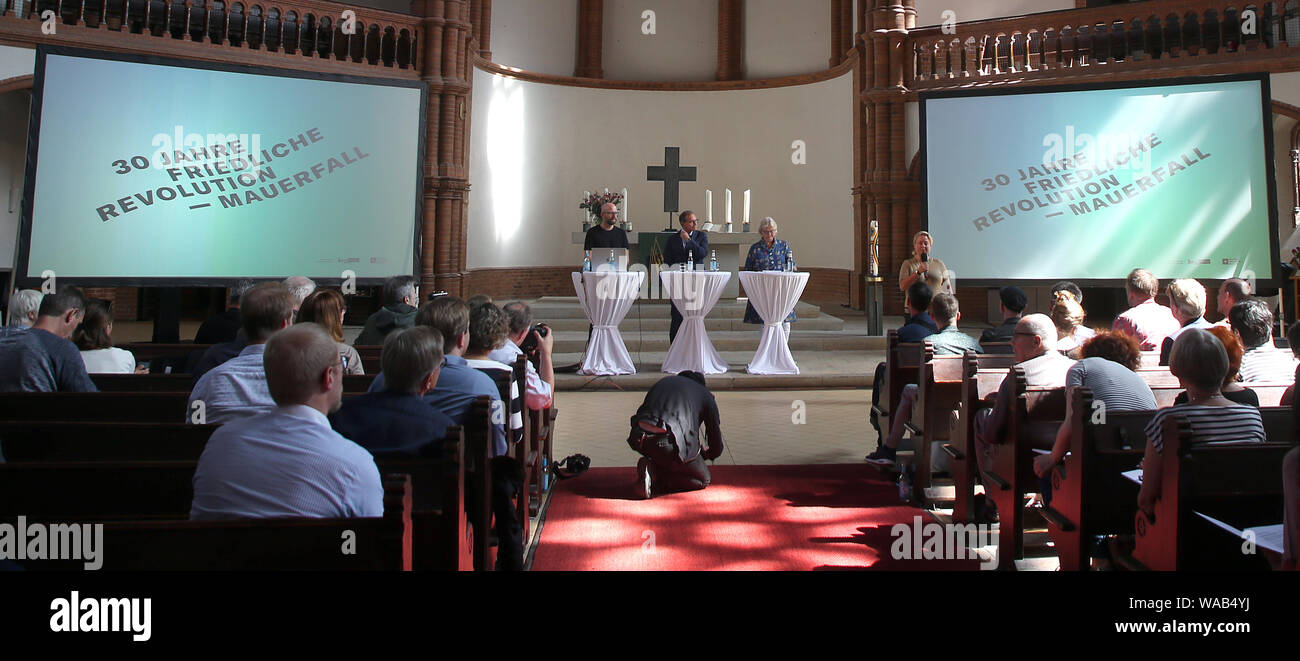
100 491
541 434
478 480
977 384
378 543
902 362
997 348
95 406
370 357
352 383
938 393
1239 484
37 441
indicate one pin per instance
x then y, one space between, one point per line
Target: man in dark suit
666 432
686 242
1013 302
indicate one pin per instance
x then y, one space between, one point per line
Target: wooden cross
672 174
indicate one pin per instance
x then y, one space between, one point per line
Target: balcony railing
1158 33
306 28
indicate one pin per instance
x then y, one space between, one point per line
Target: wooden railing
306 28
1154 34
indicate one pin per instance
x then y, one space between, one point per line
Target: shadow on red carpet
811 517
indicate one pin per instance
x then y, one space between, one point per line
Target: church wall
536 35
683 48
16 61
784 38
13 150
535 147
930 12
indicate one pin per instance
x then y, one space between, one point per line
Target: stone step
576 341
566 307
660 322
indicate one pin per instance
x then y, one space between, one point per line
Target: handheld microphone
925 256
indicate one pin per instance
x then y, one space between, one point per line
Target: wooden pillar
731 39
842 35
447 72
484 30
591 37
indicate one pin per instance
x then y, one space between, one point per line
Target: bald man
288 462
606 235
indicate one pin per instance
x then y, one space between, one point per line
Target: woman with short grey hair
23 306
768 254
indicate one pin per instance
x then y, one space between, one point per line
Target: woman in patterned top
768 254
1200 362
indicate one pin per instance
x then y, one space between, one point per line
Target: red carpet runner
750 518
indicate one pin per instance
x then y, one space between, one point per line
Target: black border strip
22 277
1266 102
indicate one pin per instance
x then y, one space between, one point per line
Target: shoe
643 486
884 456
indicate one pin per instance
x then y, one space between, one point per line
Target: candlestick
625 216
708 206
746 218
728 206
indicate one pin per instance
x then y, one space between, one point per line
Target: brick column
731 39
842 36
447 72
591 39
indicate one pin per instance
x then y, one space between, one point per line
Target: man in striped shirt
1252 321
1200 362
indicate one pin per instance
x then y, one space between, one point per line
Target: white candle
746 219
625 205
586 213
728 206
708 205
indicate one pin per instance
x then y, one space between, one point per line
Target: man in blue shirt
238 387
41 358
288 462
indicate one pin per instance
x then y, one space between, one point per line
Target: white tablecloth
606 297
694 293
773 295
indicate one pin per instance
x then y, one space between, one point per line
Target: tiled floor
758 427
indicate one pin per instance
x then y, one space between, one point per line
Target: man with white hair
1034 345
401 296
23 306
1187 303
300 287
288 462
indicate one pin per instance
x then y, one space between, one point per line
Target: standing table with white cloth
606 297
694 293
773 295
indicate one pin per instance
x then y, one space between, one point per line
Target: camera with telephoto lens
529 347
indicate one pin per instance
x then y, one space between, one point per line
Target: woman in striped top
1200 362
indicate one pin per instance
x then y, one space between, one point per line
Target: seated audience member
1145 319
458 383
948 341
94 338
1291 506
1232 292
540 386
400 297
1068 316
1200 362
919 326
1293 339
40 358
1232 388
1252 322
238 387
478 299
396 421
287 462
1082 333
23 306
326 307
1108 368
1012 305
224 327
300 287
1034 345
487 331
1187 304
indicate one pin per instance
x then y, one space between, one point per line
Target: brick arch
16 83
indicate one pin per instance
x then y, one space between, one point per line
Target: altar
731 247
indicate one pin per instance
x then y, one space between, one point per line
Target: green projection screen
1086 184
143 170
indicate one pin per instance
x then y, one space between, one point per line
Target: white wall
784 38
536 35
16 61
930 12
683 48
13 153
536 147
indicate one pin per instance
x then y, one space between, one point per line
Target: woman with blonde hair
1068 316
922 265
326 307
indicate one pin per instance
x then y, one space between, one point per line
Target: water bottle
905 483
546 475
690 260
612 265
586 262
789 262
713 260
